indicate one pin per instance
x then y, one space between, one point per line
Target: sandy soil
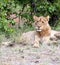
27 55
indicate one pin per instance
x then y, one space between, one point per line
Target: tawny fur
43 29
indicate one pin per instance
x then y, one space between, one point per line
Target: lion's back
28 37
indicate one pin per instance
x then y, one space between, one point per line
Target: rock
37 61
8 43
53 38
57 35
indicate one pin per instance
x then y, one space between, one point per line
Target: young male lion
43 29
42 33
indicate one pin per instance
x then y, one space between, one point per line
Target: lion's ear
35 17
48 17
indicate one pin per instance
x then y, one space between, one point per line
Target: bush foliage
26 9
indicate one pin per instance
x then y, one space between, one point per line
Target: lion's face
41 23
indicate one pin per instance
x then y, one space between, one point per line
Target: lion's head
41 23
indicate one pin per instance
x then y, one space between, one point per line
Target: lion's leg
36 41
46 40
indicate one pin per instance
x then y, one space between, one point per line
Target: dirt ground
27 55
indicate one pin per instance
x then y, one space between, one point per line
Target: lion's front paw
36 45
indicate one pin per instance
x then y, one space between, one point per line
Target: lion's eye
42 22
37 21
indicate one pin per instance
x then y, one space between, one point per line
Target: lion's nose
39 26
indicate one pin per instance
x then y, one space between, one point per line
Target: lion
42 33
43 29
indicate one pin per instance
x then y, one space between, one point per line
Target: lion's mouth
38 30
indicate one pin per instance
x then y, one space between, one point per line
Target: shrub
27 8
